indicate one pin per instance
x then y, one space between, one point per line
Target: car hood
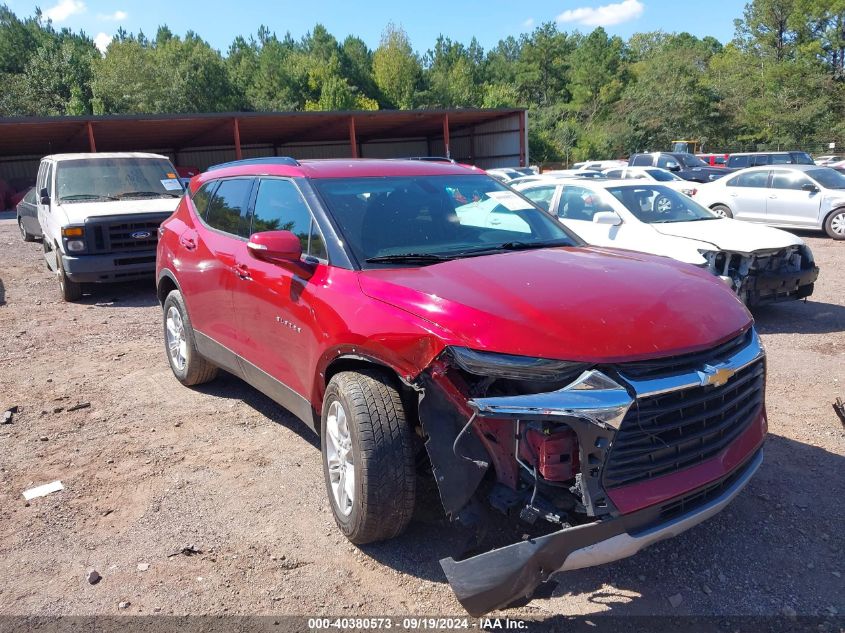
730 235
583 304
78 212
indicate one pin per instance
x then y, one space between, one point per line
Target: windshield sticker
171 175
172 184
509 200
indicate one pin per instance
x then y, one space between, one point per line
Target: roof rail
264 160
432 159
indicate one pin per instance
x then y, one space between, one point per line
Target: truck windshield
425 219
93 179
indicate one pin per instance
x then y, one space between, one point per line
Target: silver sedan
787 196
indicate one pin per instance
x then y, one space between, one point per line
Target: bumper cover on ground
496 579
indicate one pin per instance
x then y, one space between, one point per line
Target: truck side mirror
44 196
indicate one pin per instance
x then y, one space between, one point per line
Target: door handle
188 242
242 271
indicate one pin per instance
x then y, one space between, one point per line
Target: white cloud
102 41
64 9
528 23
117 16
607 15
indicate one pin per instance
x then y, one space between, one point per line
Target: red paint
446 141
237 130
91 143
353 139
554 455
646 493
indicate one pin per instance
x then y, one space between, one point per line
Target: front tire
722 211
180 344
368 456
834 225
69 290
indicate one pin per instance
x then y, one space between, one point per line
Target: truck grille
665 433
124 234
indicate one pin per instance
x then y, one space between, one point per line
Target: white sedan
653 174
760 264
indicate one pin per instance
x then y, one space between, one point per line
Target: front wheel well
166 285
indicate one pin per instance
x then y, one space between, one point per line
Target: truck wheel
722 211
188 366
834 225
368 456
69 290
27 237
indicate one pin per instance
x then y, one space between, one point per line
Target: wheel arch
166 284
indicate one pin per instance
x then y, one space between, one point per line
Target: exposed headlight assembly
515 367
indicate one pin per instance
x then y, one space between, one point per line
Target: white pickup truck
100 215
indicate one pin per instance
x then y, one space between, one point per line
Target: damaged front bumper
766 276
498 578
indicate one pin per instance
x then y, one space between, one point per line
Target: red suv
423 313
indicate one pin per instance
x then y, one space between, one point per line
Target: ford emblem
140 235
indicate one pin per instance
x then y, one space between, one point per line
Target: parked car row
423 312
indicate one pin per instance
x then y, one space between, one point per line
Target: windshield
115 179
387 220
688 160
828 178
656 204
662 176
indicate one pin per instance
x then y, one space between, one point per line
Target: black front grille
659 367
666 433
702 496
127 234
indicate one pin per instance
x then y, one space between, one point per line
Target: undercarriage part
766 276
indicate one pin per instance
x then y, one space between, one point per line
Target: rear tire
366 437
180 344
834 224
722 211
68 289
27 237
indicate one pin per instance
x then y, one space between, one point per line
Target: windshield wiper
418 258
515 246
87 196
157 194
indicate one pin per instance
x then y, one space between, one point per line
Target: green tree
396 68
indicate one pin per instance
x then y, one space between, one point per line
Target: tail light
553 452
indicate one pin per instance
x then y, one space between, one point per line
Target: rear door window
227 210
738 162
757 179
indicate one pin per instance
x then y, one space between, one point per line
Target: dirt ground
151 467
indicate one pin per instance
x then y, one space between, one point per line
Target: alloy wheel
341 463
837 223
177 345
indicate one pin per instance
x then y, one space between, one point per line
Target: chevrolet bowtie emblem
716 376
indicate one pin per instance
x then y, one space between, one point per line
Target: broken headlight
513 367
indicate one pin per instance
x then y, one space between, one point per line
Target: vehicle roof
791 166
346 168
794 151
83 156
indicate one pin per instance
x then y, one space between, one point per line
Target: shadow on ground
133 294
810 317
2 293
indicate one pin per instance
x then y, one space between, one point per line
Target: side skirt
225 358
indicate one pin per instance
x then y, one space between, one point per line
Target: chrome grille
667 432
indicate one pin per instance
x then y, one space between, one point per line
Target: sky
489 21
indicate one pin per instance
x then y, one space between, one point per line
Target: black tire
834 224
382 448
722 210
68 290
196 370
26 235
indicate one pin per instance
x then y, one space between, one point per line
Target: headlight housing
514 367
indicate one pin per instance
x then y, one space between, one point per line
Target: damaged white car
761 264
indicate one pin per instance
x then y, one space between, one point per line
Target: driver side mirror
44 196
609 218
282 248
809 187
673 166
